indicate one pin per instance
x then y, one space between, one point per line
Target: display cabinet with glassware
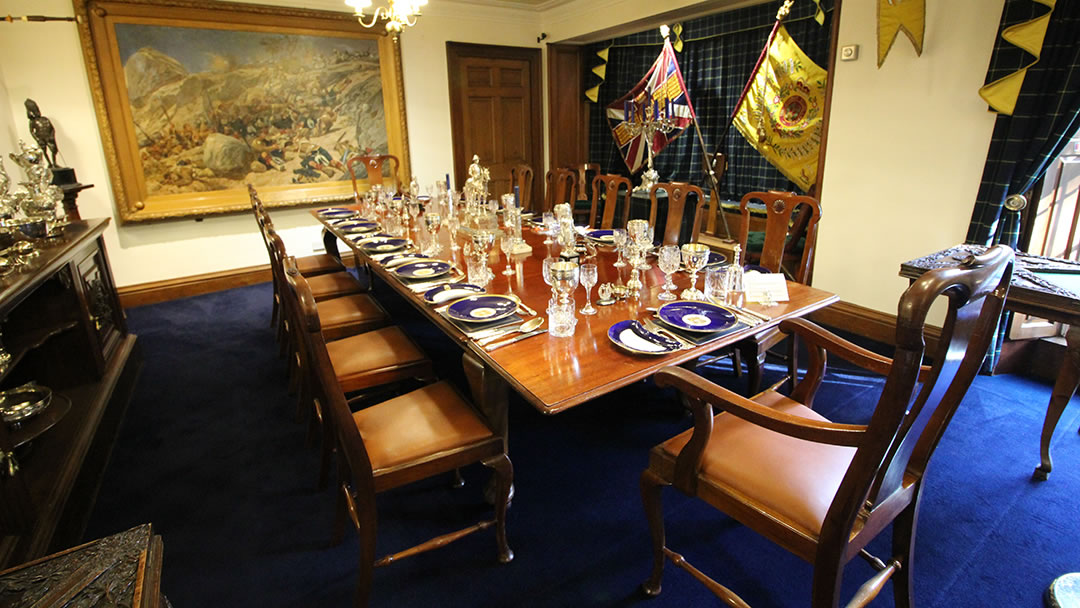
67 370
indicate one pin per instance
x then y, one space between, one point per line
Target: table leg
330 243
1067 381
491 394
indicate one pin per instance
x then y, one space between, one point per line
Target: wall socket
849 52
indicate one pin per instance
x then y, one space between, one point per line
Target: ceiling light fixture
398 14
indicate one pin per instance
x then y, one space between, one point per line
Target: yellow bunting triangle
819 15
603 53
894 16
600 70
677 28
1002 94
593 93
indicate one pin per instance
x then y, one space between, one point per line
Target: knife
491 347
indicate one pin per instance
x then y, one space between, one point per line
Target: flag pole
781 14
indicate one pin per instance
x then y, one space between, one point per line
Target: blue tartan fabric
719 52
1046 117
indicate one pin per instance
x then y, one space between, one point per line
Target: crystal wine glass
551 225
546 273
668 259
620 237
695 256
506 243
432 221
641 233
587 276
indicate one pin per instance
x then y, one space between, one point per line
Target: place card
765 287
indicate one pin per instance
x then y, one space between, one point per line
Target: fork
656 329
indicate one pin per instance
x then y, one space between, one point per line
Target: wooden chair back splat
824 490
560 188
373 166
678 196
606 191
791 219
429 431
522 177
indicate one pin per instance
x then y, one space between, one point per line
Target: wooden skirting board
867 322
172 289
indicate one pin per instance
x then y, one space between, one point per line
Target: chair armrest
815 335
697 388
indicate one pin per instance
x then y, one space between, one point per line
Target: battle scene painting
219 109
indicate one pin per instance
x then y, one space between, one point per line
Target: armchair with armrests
787 246
824 490
423 433
609 193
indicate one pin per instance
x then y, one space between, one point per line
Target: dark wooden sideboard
64 328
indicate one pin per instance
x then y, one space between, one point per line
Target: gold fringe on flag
1002 94
895 16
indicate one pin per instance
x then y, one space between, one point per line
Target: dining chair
365 365
560 188
678 196
583 195
609 192
787 245
522 177
374 167
426 432
820 489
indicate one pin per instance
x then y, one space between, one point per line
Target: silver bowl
23 402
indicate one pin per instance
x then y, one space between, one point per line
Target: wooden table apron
1031 295
555 374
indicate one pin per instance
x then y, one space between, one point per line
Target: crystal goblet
620 237
588 276
564 278
669 259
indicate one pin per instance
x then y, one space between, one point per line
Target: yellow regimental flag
781 115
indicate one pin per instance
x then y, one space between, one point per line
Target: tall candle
517 196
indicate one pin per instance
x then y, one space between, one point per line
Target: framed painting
197 99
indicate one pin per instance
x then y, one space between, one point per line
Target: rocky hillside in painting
269 123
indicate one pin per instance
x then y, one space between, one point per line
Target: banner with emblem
781 114
660 94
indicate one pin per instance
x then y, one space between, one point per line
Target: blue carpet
211 455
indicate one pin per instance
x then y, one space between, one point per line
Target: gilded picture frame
196 99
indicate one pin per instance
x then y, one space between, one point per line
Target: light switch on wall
849 52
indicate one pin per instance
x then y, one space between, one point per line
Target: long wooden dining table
551 373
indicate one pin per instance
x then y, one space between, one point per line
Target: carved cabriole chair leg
504 480
651 485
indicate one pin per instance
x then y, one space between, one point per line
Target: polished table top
554 374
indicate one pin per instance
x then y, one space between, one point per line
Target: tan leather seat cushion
333 284
427 421
794 478
318 264
372 351
349 310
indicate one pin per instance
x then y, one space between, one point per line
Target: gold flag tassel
895 16
600 70
1002 94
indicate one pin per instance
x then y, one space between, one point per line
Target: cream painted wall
44 61
905 154
906 148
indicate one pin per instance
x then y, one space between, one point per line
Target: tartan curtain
719 51
1047 115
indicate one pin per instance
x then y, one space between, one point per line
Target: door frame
456 51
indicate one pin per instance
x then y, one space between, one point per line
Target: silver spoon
527 326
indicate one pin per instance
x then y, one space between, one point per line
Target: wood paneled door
495 111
